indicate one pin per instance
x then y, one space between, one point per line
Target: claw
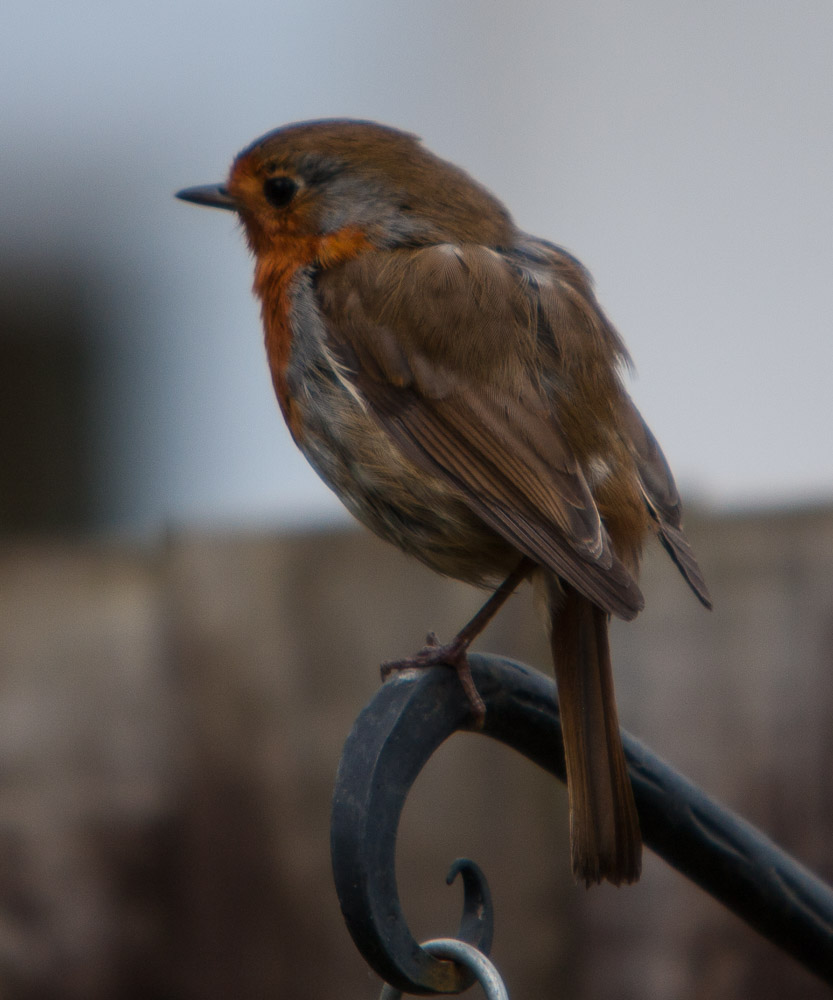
452 654
455 653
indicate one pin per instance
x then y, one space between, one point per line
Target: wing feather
495 438
663 502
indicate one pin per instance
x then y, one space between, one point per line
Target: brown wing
473 414
663 501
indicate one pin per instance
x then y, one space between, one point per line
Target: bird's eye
279 191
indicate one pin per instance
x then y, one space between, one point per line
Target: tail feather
604 825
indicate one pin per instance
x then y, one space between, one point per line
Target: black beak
213 195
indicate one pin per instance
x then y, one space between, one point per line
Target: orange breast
275 273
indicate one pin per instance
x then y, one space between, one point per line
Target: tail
604 825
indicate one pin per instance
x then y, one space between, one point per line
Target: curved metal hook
415 711
468 956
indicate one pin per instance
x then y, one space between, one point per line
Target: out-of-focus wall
171 717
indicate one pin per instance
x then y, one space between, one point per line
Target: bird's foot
453 654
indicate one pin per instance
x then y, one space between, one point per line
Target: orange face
283 214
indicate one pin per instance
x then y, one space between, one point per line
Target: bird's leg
455 653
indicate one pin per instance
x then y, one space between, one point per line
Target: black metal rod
416 711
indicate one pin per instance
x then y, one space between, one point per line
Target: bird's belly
380 486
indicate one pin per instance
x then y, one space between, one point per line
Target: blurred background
188 621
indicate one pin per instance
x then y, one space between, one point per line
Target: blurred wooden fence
171 717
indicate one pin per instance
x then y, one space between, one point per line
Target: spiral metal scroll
388 747
416 711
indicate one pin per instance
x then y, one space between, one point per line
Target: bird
456 383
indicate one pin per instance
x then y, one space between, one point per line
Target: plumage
457 384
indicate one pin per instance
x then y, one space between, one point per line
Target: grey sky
683 151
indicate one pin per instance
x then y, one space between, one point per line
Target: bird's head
315 180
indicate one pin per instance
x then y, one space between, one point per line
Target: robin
456 383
